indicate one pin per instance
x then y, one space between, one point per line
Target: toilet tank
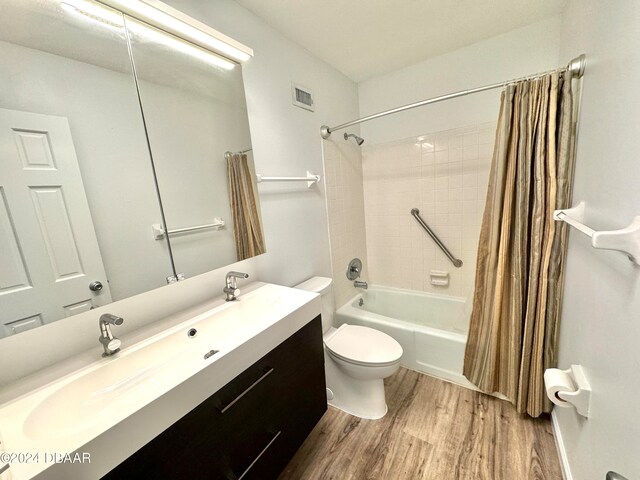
322 285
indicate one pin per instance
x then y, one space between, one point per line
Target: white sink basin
68 413
80 405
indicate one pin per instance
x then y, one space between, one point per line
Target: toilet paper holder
581 397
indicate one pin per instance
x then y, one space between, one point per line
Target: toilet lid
363 345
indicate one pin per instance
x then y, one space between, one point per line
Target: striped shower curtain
514 325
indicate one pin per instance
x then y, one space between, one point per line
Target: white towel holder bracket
625 240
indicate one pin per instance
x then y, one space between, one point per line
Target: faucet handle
231 291
114 344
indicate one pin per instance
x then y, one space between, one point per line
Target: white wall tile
447 181
345 206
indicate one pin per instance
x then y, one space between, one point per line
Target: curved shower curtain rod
575 66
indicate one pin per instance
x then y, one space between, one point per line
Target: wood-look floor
433 430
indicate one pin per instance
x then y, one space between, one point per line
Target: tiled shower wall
445 175
345 204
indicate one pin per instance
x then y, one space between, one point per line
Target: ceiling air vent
302 97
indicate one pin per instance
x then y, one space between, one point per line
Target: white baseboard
562 452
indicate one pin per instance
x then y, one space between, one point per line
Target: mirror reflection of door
72 127
50 252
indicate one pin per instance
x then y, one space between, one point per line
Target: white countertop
104 401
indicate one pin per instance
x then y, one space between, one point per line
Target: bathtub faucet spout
359 284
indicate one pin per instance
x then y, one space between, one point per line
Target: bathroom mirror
196 116
77 191
120 144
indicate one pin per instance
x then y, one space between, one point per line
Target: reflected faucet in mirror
110 343
230 288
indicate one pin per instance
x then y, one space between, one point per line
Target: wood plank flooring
433 430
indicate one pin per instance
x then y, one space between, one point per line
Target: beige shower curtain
518 287
247 228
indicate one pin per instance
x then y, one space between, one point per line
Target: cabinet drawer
252 426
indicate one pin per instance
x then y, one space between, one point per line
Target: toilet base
364 415
360 398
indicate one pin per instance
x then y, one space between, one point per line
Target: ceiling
366 38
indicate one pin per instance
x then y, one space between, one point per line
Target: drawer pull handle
260 454
228 406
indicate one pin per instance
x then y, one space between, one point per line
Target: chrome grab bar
416 214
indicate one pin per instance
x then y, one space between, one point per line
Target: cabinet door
300 399
248 429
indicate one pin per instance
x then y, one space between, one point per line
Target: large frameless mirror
83 178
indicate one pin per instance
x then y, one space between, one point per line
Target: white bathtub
432 329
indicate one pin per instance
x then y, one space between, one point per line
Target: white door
49 252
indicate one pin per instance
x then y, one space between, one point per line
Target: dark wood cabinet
248 429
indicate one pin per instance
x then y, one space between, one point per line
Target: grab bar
416 214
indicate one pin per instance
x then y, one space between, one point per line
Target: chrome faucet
230 288
360 284
110 343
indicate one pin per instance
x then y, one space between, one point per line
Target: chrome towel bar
416 214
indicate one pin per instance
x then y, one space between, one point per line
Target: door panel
45 225
34 149
55 225
13 271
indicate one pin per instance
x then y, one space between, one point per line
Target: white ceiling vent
302 97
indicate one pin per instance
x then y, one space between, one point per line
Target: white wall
286 141
521 52
600 325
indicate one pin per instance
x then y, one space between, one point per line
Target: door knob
95 286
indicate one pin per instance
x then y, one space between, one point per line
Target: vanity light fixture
158 36
93 11
170 20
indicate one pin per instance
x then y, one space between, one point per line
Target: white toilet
356 359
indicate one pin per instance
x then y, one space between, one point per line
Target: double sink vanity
229 391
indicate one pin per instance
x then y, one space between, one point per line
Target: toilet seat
363 346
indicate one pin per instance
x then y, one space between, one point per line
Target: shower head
358 139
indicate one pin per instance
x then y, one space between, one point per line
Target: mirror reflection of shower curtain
247 228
